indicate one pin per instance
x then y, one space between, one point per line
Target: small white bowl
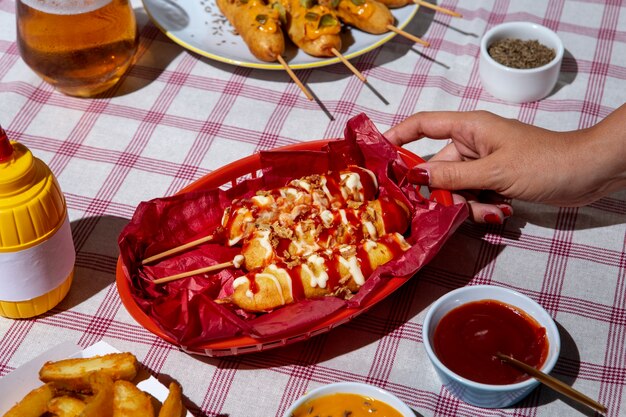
353 388
520 85
475 393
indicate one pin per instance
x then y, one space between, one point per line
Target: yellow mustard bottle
37 253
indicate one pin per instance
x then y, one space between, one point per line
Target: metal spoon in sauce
553 383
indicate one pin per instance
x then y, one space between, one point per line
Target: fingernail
492 218
418 176
506 210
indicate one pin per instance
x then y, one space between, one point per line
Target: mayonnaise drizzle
352 265
238 261
316 269
353 186
327 217
371 229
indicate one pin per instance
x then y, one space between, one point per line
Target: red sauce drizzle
325 235
364 261
395 218
332 268
333 182
392 243
356 229
297 288
283 246
253 285
468 337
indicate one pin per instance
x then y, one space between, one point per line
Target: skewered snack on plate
370 16
312 26
258 25
185 311
201 28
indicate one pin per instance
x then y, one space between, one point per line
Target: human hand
515 160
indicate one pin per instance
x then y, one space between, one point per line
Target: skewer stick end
407 35
349 65
438 8
293 76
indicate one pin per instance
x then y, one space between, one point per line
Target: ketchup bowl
465 328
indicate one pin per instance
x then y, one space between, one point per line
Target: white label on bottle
35 271
66 7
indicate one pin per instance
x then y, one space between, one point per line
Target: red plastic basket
230 175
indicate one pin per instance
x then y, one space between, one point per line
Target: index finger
435 125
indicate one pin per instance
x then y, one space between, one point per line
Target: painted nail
492 218
506 210
418 176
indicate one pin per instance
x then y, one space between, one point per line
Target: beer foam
66 7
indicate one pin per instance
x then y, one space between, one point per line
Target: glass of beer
81 47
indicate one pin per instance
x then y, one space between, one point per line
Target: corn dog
312 27
259 26
294 201
323 231
339 273
393 4
370 16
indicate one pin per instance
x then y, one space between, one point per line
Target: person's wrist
605 152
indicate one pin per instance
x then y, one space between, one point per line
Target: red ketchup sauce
395 218
467 338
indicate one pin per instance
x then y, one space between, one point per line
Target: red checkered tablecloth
177 116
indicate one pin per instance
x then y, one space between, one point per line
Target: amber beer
81 47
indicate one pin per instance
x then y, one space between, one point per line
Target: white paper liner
35 271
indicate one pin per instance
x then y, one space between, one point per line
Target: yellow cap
32 206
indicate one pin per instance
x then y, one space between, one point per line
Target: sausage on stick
370 16
312 27
259 27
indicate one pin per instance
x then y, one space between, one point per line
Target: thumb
453 175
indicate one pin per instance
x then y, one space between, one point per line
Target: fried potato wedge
66 406
101 403
73 374
130 401
173 404
34 404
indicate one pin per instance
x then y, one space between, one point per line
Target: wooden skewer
553 383
177 249
438 8
194 272
349 65
295 79
407 35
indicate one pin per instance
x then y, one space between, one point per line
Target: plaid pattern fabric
176 117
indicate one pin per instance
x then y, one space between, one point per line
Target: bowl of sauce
352 399
467 327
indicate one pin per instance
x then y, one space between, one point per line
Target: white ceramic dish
353 388
199 26
478 394
520 85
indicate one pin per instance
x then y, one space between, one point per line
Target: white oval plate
199 26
